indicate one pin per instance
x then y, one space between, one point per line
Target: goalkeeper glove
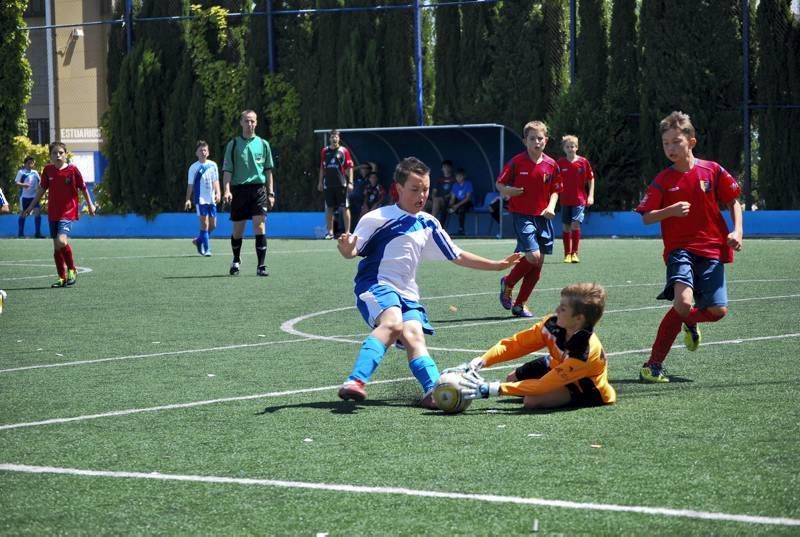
474 386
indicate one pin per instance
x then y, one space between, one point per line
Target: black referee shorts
248 201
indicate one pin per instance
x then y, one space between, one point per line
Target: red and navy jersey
539 180
575 176
62 186
334 163
703 231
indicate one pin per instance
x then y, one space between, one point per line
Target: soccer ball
447 395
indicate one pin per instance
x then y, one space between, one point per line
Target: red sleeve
321 157
348 160
79 182
505 175
727 187
557 184
653 198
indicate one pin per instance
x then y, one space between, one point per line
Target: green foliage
778 81
15 83
691 61
448 108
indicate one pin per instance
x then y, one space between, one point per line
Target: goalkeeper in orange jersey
574 374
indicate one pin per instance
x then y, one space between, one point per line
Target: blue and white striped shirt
393 242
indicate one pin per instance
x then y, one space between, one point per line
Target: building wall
79 77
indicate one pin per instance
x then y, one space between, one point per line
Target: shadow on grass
343 407
463 319
197 276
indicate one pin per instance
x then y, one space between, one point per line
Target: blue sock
204 240
370 355
425 371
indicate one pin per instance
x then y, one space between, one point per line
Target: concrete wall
312 225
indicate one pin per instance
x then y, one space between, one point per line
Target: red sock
528 283
668 330
59 259
518 272
566 236
576 238
66 252
702 316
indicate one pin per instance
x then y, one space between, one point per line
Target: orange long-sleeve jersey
571 361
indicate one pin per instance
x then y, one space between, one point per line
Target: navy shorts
60 227
336 196
534 233
704 275
572 213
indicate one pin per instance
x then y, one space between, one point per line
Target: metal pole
129 23
418 62
502 162
270 45
572 33
51 73
746 127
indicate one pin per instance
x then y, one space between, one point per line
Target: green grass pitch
162 396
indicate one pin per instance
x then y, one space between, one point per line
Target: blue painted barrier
310 225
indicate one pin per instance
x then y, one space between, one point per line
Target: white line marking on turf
288 327
401 491
153 355
81 270
313 390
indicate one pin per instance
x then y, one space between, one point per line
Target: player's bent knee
718 312
682 308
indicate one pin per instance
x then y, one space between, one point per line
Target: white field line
152 355
317 389
400 491
288 327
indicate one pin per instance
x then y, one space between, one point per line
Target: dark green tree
15 84
777 87
399 78
449 69
691 61
474 60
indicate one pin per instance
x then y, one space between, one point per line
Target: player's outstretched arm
474 261
473 386
347 245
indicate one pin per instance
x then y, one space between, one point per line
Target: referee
247 180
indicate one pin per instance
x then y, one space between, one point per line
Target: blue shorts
705 276
572 213
207 209
60 227
378 298
534 233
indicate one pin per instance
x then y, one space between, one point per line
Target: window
35 9
39 131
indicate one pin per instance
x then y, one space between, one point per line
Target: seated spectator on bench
373 193
461 199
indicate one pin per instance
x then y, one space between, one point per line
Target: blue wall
312 225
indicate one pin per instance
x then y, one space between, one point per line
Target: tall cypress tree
399 78
778 85
691 61
619 181
15 84
449 68
474 63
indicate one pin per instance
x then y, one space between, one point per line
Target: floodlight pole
748 194
129 24
572 32
270 47
418 62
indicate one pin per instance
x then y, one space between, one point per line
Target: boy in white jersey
393 240
203 191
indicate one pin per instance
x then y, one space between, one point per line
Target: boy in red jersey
686 199
531 182
576 173
63 181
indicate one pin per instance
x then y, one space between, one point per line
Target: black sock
236 246
261 249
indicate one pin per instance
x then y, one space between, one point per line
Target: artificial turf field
162 396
